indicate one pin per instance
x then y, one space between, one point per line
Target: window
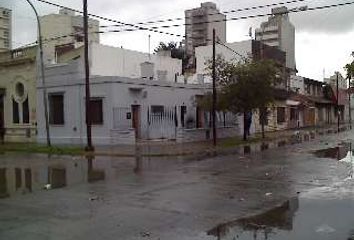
96 105
15 112
25 111
157 110
308 89
183 114
293 114
56 109
280 114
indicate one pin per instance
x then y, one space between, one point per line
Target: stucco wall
205 53
126 63
14 71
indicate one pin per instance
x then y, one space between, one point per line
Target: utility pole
349 105
214 89
45 100
89 146
337 104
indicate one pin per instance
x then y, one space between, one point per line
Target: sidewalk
224 146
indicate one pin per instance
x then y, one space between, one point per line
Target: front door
2 120
136 120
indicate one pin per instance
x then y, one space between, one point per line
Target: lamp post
40 44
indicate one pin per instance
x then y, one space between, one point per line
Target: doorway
136 120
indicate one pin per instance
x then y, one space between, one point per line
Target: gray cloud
331 21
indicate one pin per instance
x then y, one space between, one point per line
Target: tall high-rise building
279 32
65 31
5 29
200 23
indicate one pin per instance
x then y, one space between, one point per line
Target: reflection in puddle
57 177
94 175
340 152
298 218
21 176
263 224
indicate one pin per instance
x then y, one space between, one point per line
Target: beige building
200 23
18 94
64 31
5 29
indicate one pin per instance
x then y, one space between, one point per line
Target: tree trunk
244 127
263 116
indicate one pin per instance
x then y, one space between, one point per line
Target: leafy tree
349 68
245 87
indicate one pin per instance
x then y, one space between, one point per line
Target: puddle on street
24 176
339 153
295 219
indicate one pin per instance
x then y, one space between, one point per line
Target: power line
212 14
230 19
246 59
103 18
296 10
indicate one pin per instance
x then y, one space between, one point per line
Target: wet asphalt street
301 191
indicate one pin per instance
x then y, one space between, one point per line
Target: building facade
200 23
18 78
64 32
332 81
5 29
122 109
279 32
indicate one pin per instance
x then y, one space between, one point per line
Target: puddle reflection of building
93 174
338 153
15 180
19 177
138 160
279 218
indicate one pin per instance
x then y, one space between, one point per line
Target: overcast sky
324 39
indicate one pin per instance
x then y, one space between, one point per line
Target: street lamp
42 73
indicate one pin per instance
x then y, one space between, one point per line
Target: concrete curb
243 149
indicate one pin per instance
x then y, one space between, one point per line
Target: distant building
332 81
200 23
279 32
64 32
242 51
5 29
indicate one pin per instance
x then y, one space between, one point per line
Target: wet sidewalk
225 146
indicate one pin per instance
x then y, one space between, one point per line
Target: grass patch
38 148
